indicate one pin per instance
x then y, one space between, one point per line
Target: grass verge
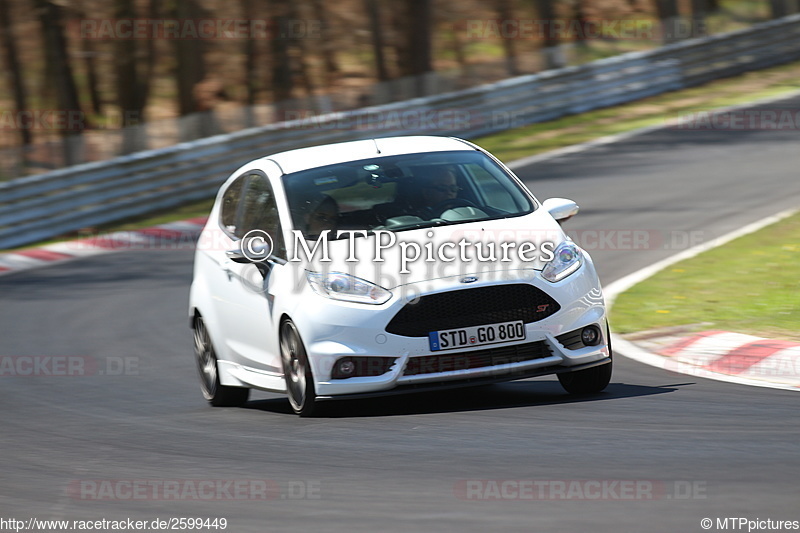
661 109
749 285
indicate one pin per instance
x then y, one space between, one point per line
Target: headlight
567 258
348 288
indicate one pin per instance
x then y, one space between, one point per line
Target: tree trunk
699 8
670 20
133 68
582 23
12 63
419 19
326 43
127 78
458 49
419 39
190 62
778 8
60 67
282 81
376 33
250 58
505 12
399 42
553 56
89 54
298 42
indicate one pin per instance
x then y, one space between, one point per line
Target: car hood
488 246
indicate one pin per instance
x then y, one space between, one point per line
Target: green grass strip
750 285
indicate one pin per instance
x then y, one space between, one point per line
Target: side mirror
561 209
254 250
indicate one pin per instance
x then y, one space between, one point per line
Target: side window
260 211
230 206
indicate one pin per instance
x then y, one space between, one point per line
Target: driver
442 186
431 188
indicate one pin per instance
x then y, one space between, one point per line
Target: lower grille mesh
449 362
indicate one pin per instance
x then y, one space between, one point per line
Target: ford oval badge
469 279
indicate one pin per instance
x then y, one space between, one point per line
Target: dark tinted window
403 192
260 212
230 206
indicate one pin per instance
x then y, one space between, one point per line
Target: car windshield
397 193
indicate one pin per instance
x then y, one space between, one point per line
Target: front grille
449 362
472 307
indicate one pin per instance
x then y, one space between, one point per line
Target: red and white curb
720 355
173 235
728 356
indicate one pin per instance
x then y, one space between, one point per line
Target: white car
390 265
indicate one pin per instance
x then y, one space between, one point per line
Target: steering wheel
450 203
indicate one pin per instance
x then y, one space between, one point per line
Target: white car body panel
243 312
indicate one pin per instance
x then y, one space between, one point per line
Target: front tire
297 371
217 394
591 380
587 381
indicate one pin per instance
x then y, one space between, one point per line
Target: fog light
590 336
346 368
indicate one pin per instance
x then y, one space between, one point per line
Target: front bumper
472 382
334 331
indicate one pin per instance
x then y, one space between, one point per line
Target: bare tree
372 8
190 68
506 12
89 54
134 68
399 43
581 21
250 59
458 49
699 9
419 35
553 56
418 42
326 41
282 77
59 66
9 45
298 37
670 20
782 8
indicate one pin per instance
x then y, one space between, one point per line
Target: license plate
449 339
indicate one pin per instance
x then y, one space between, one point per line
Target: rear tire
217 394
591 380
297 371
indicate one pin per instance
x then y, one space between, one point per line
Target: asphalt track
696 448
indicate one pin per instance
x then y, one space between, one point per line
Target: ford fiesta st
390 265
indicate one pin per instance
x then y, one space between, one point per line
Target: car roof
331 154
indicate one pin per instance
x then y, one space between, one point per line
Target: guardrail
46 205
